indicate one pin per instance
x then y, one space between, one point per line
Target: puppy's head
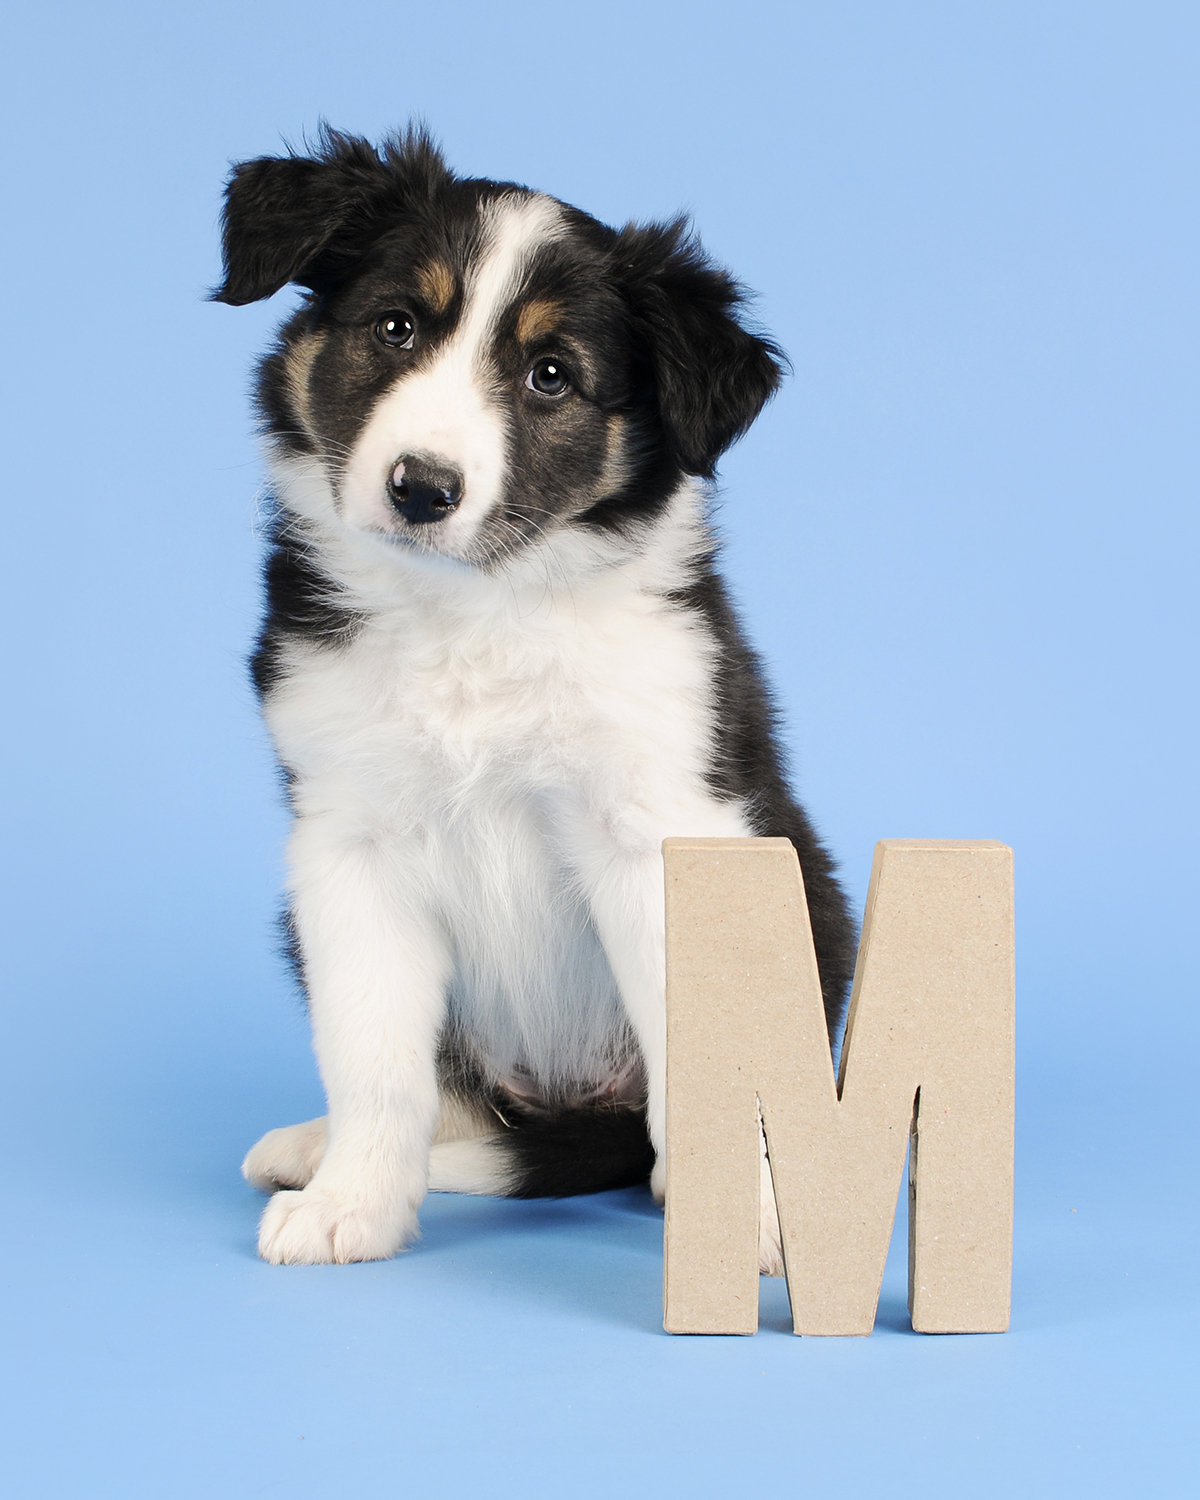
477 365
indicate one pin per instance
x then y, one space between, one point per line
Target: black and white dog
499 668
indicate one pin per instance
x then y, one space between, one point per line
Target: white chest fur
496 739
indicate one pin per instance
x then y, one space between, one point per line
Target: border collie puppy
499 669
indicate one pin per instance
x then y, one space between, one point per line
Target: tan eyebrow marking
537 317
436 281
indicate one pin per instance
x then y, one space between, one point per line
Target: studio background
964 539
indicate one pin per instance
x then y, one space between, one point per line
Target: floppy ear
712 376
308 219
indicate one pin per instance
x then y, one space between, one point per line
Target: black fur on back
748 765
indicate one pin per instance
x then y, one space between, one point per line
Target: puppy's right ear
280 214
309 219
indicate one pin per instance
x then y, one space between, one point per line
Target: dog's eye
549 378
396 330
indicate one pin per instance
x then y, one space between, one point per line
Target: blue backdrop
964 538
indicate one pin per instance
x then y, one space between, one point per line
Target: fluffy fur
499 667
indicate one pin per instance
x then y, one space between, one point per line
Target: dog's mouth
424 491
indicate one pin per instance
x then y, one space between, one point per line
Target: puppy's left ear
712 376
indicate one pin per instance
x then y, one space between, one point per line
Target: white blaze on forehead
514 228
446 411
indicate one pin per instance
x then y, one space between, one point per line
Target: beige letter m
928 1056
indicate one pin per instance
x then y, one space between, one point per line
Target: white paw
658 1181
286 1158
470 1167
770 1241
318 1227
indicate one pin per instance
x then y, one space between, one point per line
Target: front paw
286 1158
317 1227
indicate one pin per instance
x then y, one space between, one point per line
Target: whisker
323 442
544 558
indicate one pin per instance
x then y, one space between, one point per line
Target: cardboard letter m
928 1057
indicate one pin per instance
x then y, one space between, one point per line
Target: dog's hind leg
549 1152
479 1166
468 1152
288 1157
770 1239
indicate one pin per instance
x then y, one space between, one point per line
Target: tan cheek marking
298 363
537 317
616 469
436 281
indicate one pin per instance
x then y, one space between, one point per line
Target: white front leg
376 967
619 863
626 896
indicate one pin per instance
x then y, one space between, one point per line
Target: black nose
422 490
